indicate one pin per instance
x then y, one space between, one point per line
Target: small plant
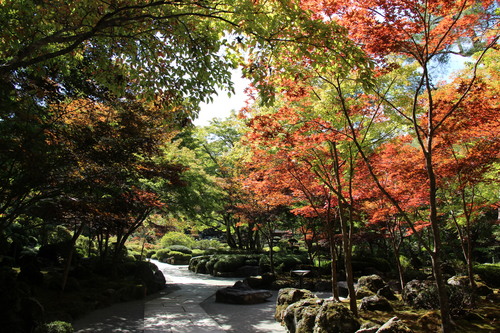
55 327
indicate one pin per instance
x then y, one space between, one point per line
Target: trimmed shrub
179 256
229 263
180 248
161 255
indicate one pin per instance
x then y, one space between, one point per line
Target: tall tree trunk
333 256
67 266
436 254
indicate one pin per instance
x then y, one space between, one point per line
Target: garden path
187 305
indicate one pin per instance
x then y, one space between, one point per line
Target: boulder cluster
300 311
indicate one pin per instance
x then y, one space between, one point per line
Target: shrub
150 253
180 248
489 273
176 238
229 263
179 256
197 253
161 255
287 262
55 327
206 244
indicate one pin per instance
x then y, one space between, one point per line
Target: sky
222 104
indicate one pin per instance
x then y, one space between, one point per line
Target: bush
179 256
150 253
229 263
55 327
180 248
489 273
206 244
288 262
177 238
161 255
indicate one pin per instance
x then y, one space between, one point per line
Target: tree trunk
333 256
67 266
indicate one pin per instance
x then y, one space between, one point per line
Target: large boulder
333 317
362 292
288 296
387 293
375 303
300 316
242 293
394 325
247 271
372 282
463 281
420 294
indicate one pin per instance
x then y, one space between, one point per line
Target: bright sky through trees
222 105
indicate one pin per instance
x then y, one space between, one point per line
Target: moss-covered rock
362 292
375 303
334 317
394 325
288 296
300 316
372 282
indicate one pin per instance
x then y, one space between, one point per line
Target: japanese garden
359 184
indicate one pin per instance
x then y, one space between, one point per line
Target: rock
372 282
362 292
288 296
394 325
368 328
483 290
375 303
387 293
242 293
420 294
461 281
300 316
248 271
333 317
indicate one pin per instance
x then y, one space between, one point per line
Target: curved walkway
186 306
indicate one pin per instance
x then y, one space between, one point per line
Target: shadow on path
186 305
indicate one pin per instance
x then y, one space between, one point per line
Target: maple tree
404 42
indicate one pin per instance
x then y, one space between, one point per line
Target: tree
417 32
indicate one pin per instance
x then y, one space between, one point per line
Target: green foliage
176 238
229 263
55 327
180 256
161 255
59 234
489 273
180 248
205 244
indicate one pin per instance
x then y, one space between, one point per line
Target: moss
489 273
